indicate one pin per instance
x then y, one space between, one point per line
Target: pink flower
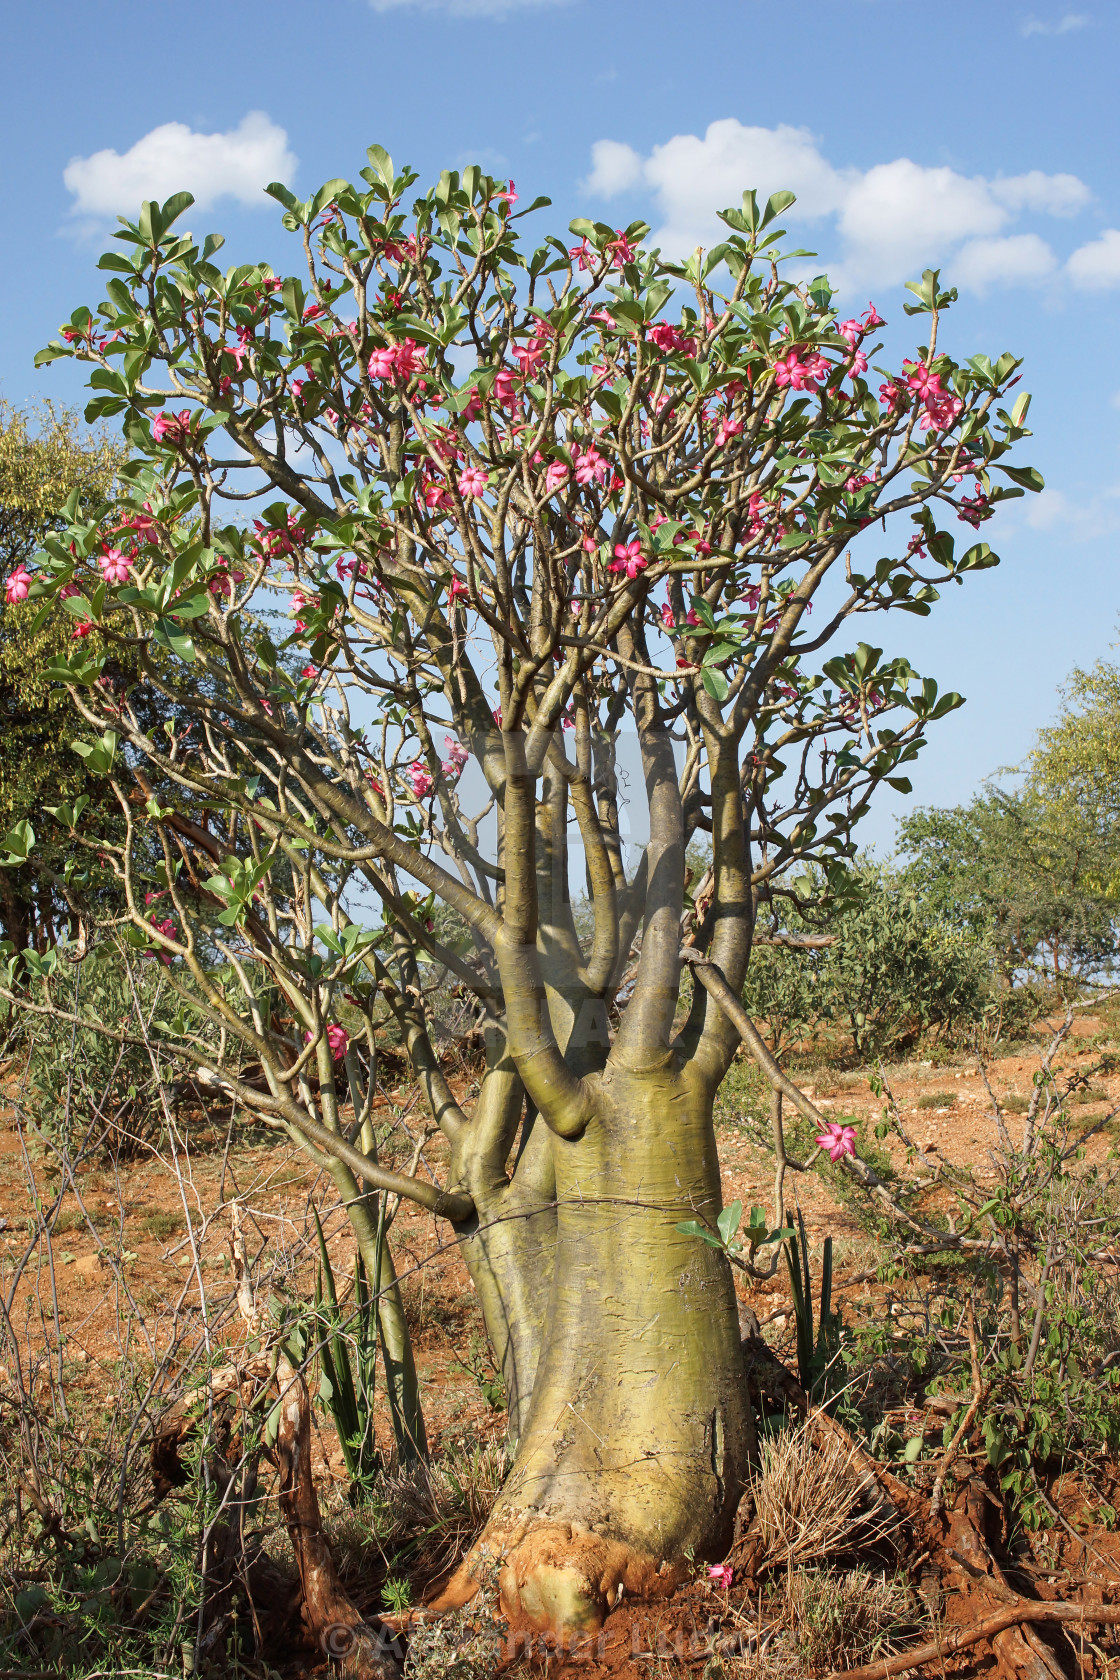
458 589
82 628
590 467
17 585
171 426
859 365
437 495
337 1039
311 671
472 482
837 1140
722 1574
727 429
556 475
383 363
667 618
872 319
974 510
628 558
422 783
457 756
114 565
474 407
622 249
508 196
852 331
530 354
505 388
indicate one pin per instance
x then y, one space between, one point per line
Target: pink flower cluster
798 374
670 338
939 407
617 251
167 927
419 779
853 331
397 360
273 542
529 355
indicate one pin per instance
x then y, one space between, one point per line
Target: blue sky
981 137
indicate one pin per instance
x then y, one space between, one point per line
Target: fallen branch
1028 1610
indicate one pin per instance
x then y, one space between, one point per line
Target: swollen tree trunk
634 1447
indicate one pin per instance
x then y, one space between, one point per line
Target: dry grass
424 1519
808 1499
815 1622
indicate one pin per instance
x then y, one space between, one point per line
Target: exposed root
557 1578
333 1622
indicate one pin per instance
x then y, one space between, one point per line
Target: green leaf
775 204
173 207
19 842
693 1228
728 1221
1029 478
715 682
381 164
166 635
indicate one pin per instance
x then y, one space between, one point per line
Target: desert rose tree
515 505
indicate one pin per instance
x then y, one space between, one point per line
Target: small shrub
938 1099
162 1224
1089 1094
466 1645
1013 1103
838 1621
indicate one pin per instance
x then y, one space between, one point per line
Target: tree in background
514 501
45 457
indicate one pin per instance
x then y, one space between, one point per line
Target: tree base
556 1577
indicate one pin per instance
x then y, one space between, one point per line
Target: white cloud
1084 517
1019 259
693 178
1064 26
614 167
1053 195
1096 267
899 217
173 158
466 8
893 219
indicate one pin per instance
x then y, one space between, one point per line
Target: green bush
898 969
